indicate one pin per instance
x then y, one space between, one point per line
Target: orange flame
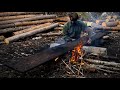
77 52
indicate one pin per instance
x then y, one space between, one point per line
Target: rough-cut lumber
99 21
6 30
31 28
103 63
109 24
2 14
52 34
24 23
27 63
15 17
62 23
23 35
95 50
37 17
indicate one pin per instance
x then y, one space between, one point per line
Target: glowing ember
77 52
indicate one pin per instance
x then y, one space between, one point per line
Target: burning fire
77 52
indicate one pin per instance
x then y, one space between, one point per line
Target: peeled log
6 30
37 17
31 28
15 17
109 17
100 21
109 24
109 28
95 50
103 63
2 14
62 19
24 23
30 33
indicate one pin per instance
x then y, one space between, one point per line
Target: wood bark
30 33
52 34
37 17
31 28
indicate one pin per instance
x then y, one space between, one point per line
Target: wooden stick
68 67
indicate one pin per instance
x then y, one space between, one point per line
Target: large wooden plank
32 61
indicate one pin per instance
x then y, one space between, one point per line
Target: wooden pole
109 24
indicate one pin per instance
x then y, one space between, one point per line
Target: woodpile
24 24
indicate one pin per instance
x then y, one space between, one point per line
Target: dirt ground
52 68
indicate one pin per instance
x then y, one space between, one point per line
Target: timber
37 17
6 30
27 63
109 20
108 28
32 28
30 33
24 23
109 24
103 63
15 17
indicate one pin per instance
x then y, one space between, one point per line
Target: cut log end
6 41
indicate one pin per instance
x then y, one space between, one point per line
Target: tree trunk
37 17
15 17
31 28
24 23
110 20
62 19
109 24
30 33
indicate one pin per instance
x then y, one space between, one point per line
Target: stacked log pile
24 24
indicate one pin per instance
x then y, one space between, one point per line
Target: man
72 29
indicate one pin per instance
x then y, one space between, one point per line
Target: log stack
18 23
